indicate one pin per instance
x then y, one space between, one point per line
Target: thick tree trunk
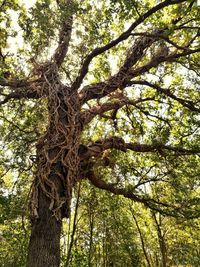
57 170
44 246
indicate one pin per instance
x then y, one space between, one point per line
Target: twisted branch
102 89
122 37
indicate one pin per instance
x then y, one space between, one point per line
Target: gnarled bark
44 246
57 169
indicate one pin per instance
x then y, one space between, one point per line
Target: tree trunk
57 169
44 246
70 246
141 239
161 239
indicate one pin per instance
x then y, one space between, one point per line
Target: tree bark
57 168
44 246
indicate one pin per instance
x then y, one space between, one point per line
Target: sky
28 3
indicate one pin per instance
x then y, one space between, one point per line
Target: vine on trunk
57 149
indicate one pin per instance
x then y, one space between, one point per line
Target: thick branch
14 83
99 90
88 115
122 37
19 95
64 38
96 149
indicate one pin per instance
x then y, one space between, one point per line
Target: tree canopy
101 94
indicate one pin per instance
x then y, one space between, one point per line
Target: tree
125 72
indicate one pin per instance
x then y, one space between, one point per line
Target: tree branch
187 103
15 83
19 95
2 5
148 202
64 37
122 37
88 115
97 148
162 37
101 89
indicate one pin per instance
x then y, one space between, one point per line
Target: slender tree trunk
69 254
91 215
162 244
141 239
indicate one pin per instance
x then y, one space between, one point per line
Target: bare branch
122 37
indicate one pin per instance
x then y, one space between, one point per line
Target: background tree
106 91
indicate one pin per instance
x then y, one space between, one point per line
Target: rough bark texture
57 168
44 246
61 159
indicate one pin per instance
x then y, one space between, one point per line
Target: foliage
134 67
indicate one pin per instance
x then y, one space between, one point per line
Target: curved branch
101 89
19 95
148 202
187 103
122 37
88 115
